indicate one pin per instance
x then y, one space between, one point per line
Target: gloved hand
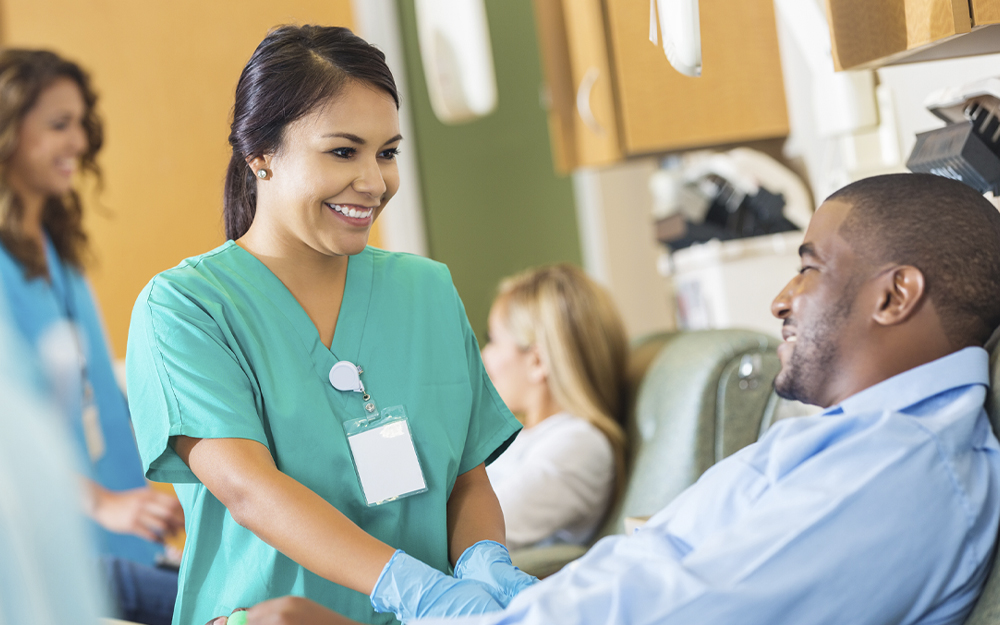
489 562
411 589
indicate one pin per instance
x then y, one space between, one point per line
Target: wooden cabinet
613 94
985 12
868 34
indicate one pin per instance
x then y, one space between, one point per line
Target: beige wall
165 73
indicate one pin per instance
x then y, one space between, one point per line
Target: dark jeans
140 593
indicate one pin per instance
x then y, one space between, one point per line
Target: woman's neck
289 258
540 407
31 217
315 280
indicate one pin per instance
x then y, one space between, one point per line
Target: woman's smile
361 216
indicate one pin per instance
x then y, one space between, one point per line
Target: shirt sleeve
186 377
564 480
492 426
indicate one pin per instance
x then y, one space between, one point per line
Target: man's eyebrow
807 249
356 138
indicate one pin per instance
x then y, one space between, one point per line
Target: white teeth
791 339
351 212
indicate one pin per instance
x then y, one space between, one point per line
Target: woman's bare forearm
284 513
474 513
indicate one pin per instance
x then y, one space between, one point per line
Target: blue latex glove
411 589
489 562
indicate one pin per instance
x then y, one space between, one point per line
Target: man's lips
788 334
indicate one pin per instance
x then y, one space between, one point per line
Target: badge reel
382 448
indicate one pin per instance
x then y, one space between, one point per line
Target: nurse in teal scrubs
49 130
230 357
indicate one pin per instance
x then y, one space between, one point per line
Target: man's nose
782 304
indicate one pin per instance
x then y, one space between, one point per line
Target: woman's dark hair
292 71
24 75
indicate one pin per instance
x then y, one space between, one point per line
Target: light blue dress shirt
883 509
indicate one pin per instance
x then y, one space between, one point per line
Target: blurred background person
49 131
47 572
557 354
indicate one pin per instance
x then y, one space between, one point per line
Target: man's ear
901 291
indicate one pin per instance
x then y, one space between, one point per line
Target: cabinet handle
583 101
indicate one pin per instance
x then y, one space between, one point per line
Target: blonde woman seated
557 354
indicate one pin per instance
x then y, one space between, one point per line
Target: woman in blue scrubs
320 405
48 131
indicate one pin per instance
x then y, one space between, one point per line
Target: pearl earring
262 173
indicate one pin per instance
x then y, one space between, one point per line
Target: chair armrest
544 561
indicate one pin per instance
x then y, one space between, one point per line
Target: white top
554 482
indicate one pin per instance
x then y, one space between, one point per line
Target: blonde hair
580 336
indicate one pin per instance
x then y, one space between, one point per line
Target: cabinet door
739 96
581 103
985 12
870 34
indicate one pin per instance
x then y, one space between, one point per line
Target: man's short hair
942 227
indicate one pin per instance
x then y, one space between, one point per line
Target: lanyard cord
69 308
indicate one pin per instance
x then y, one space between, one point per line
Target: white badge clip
344 376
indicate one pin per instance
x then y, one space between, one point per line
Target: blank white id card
385 457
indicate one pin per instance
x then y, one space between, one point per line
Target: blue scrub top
37 306
219 348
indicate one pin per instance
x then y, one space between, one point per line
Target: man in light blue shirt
882 509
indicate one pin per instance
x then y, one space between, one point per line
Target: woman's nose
370 180
78 139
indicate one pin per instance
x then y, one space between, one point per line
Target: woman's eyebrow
345 135
356 139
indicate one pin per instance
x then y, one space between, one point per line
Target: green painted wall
492 201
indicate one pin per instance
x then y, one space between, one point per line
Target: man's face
817 308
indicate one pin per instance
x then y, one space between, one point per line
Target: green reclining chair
699 397
987 610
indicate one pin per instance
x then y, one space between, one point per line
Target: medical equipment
680 26
458 63
729 195
967 149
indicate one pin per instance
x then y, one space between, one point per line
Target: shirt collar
961 368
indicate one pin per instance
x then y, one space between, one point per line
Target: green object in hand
238 618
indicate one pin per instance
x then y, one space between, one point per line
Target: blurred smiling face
817 308
335 171
50 141
507 364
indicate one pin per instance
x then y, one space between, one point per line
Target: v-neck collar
349 332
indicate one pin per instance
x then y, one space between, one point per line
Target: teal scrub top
36 306
219 348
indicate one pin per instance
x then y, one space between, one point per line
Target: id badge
385 457
93 436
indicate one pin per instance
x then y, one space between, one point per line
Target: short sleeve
186 377
492 426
